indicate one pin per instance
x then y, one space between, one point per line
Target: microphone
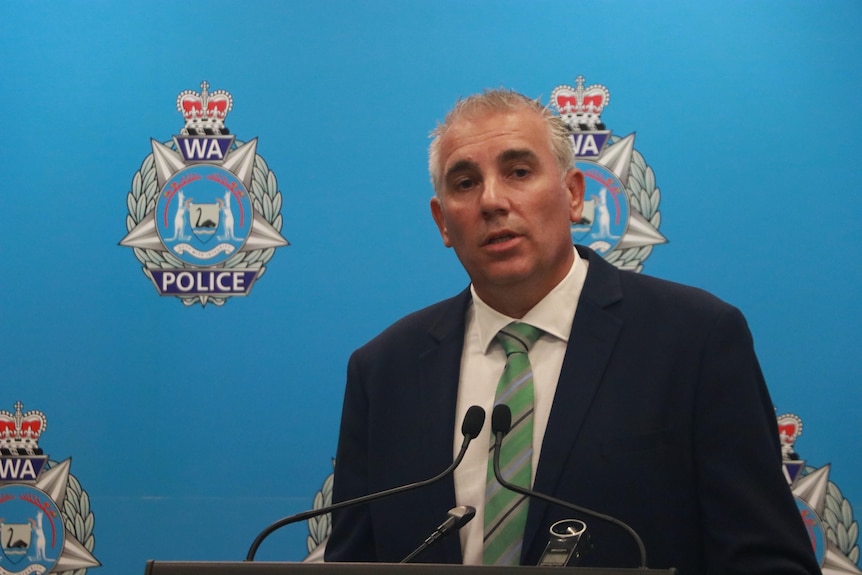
470 428
457 518
501 422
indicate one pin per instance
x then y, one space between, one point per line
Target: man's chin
500 277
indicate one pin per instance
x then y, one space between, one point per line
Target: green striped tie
506 511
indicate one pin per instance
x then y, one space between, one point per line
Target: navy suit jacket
661 418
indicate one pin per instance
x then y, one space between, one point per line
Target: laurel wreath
643 196
77 517
265 198
840 527
319 527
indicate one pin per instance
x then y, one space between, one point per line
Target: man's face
505 206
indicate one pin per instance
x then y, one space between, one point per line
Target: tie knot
518 337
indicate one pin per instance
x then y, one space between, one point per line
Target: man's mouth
500 238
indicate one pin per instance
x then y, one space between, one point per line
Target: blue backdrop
192 427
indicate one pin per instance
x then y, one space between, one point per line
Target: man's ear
574 181
440 220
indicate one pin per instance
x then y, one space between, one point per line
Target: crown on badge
204 111
19 432
581 108
789 430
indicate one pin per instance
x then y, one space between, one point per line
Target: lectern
280 568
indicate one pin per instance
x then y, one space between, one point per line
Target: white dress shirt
482 364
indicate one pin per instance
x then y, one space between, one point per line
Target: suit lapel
439 369
594 334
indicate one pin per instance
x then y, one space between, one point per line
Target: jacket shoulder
610 287
437 321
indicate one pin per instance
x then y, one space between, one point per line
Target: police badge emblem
827 515
46 525
620 219
204 210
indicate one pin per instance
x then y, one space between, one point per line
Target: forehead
488 136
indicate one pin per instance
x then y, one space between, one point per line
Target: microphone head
473 421
462 515
501 419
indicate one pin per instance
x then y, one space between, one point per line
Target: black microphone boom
470 428
501 421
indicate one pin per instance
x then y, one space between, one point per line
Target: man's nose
494 197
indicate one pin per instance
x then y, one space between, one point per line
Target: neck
516 299
508 307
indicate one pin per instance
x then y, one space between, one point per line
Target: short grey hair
500 100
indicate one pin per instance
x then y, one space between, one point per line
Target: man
647 403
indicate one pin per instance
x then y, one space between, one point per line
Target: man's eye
520 172
464 184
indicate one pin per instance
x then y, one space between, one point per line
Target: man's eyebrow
515 155
460 166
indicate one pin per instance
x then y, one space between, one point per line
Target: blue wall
192 427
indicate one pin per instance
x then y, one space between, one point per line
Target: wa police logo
621 218
46 525
204 210
827 515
